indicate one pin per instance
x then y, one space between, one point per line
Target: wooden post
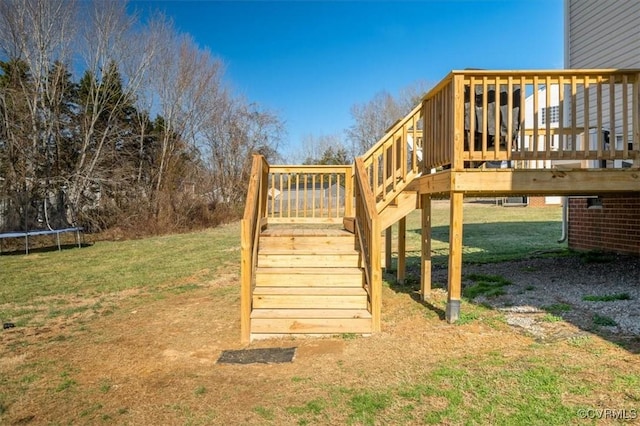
348 193
457 144
455 257
245 284
425 269
387 249
402 252
376 276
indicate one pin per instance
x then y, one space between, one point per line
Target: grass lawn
129 333
491 233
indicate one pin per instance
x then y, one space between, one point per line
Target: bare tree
187 82
323 149
35 38
235 130
115 66
373 118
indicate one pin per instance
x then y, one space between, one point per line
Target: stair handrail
252 222
368 231
395 159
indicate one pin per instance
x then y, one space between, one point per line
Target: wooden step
310 326
309 297
317 259
309 313
309 277
323 243
304 232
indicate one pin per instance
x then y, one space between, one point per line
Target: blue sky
309 62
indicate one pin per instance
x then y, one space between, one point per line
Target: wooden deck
317 280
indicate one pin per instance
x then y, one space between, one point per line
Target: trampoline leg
58 240
26 244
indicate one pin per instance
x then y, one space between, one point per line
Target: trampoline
33 218
37 232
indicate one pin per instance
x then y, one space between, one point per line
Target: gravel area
546 289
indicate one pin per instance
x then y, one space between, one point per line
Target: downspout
565 220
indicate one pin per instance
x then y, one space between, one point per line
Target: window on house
554 115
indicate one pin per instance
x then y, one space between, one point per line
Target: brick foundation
536 202
609 223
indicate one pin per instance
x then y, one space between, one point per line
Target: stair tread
295 270
310 232
267 326
310 313
309 291
319 250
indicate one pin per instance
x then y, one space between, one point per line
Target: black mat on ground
262 355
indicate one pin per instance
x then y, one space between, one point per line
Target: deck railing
309 194
252 222
572 117
369 241
395 160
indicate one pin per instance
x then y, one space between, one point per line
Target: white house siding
603 34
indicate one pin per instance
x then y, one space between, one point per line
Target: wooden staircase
308 281
313 281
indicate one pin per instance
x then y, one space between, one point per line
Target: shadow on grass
586 320
494 242
17 251
413 291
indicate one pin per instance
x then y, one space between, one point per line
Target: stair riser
311 326
307 280
308 260
308 243
311 301
319 314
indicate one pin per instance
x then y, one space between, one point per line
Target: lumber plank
312 325
308 260
324 244
309 277
310 313
306 291
296 301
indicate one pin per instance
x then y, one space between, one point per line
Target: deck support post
402 250
425 235
455 258
387 249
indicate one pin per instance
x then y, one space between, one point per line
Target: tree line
107 121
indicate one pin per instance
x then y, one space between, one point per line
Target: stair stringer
405 202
